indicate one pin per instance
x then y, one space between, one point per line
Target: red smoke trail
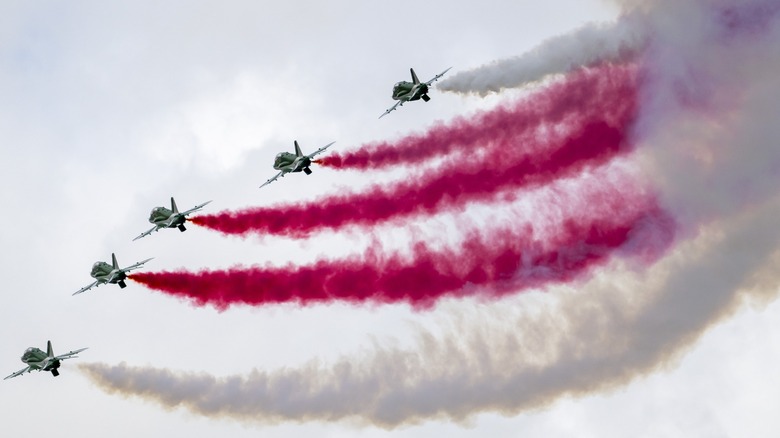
584 94
455 185
496 263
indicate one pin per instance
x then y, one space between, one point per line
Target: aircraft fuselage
105 273
37 359
408 91
164 217
289 162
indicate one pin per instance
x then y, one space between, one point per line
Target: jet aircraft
36 359
104 273
161 217
408 91
287 162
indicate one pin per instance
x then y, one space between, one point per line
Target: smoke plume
591 44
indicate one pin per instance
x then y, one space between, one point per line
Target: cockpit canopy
159 213
100 268
402 87
31 353
283 158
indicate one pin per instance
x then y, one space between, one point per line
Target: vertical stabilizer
49 350
298 152
173 206
113 261
414 77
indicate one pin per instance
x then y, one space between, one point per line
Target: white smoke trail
591 43
709 140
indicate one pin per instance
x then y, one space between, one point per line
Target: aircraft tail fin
414 77
113 261
173 206
298 152
49 350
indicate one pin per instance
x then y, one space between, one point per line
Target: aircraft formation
162 217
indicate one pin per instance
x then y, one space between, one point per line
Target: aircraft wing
26 369
392 108
70 354
86 288
320 150
135 266
148 232
272 179
194 209
437 76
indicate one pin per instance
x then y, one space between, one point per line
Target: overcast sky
109 108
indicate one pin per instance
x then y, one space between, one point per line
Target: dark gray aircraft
36 359
287 162
104 273
161 217
408 91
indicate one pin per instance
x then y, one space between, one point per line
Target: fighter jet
161 217
38 360
104 273
287 162
407 91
